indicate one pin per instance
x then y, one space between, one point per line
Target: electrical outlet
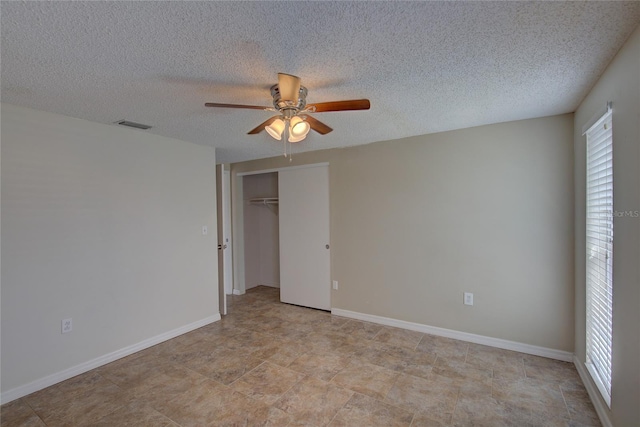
335 284
468 298
67 325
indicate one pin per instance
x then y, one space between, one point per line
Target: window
599 257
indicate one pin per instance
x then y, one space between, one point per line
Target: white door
305 275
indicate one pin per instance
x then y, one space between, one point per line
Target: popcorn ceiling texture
426 66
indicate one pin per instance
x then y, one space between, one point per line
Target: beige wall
103 225
620 84
416 222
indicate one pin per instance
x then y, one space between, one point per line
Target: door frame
223 227
222 297
237 230
226 232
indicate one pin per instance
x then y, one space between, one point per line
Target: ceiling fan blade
262 125
353 104
250 107
289 87
318 126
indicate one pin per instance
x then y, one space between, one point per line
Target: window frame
599 217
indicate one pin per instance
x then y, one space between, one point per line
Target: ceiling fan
293 120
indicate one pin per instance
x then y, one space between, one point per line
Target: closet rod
264 201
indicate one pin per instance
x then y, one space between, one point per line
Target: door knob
326 246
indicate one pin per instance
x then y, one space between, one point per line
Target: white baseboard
462 336
594 394
52 379
237 292
270 285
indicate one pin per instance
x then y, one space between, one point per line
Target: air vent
133 124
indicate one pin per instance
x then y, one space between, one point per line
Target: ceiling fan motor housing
289 108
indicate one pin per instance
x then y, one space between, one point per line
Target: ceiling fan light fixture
299 129
275 129
293 139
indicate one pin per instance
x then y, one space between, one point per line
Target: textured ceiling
426 66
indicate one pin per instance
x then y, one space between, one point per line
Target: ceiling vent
133 124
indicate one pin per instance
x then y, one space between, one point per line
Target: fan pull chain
287 133
285 137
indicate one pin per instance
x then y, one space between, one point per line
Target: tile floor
272 364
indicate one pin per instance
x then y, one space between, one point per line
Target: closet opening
261 230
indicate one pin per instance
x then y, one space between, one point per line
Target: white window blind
599 263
